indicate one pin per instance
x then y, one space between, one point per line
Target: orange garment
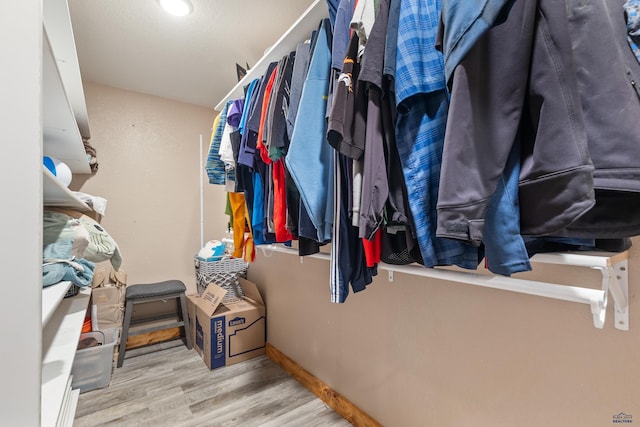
242 246
238 222
264 151
249 245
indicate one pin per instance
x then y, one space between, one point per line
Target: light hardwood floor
168 385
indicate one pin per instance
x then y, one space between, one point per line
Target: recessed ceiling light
177 7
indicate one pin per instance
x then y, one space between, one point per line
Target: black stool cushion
159 289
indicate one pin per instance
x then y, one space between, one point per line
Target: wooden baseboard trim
332 398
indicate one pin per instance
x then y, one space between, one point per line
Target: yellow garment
240 218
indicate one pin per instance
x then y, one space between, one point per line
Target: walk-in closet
393 213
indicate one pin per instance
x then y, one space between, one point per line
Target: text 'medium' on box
227 332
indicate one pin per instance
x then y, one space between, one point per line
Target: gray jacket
559 80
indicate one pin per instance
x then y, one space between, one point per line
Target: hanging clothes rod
300 31
613 267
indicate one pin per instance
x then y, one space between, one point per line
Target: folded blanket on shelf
58 265
100 246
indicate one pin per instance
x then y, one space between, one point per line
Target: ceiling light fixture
177 7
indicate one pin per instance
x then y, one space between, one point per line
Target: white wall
21 215
149 171
420 352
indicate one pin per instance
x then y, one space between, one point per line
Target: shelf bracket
615 280
599 307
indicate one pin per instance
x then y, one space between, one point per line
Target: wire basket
73 291
223 273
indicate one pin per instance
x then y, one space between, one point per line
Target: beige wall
415 352
148 150
420 352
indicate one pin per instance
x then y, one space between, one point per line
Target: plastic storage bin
92 366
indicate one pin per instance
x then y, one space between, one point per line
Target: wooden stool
136 294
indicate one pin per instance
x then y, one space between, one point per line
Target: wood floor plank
314 413
245 384
230 381
332 398
259 408
169 385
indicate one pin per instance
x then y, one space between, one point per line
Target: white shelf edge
297 33
57 21
71 411
613 267
66 403
54 193
60 340
51 298
582 259
60 133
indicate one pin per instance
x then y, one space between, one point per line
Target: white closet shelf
59 342
613 267
51 298
61 137
297 33
54 193
70 404
57 22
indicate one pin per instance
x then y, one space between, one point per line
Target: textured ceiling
135 45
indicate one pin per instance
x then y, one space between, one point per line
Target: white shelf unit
38 120
299 32
64 123
69 415
613 267
60 338
56 194
60 33
61 137
51 298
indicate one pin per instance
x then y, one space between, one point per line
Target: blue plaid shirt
632 12
419 66
215 165
423 102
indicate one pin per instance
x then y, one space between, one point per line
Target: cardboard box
227 332
108 307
